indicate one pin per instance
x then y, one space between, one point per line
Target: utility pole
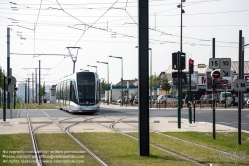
39 82
28 90
36 88
8 63
74 58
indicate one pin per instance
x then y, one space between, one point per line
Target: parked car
166 98
224 95
135 101
246 97
206 99
125 100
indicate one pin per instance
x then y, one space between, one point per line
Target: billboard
219 82
185 81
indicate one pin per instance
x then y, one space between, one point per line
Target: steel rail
76 140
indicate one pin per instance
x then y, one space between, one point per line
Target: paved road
228 117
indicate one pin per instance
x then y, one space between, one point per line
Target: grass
42 106
15 142
59 143
18 106
225 142
119 150
30 106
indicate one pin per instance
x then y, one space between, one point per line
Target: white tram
79 92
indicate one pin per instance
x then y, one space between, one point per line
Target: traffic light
191 66
182 61
174 61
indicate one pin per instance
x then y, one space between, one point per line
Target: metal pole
39 82
122 81
190 100
4 98
36 85
179 91
28 90
194 111
213 102
143 72
25 92
11 92
32 87
225 98
8 64
73 66
239 93
108 83
150 77
242 72
179 64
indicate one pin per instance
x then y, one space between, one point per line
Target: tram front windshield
86 88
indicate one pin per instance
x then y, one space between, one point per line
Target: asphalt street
228 117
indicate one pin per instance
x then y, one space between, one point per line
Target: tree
155 79
103 86
165 83
1 84
42 90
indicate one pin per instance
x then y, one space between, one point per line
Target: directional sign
240 85
225 72
225 63
214 63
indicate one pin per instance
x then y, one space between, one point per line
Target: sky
109 27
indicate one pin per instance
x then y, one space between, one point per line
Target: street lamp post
93 66
150 75
107 79
180 71
122 93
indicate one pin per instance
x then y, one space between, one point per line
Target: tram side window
56 92
68 90
65 90
73 95
61 93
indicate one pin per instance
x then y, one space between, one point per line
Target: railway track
232 155
32 130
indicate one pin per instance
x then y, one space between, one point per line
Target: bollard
194 111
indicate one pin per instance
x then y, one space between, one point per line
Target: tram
79 92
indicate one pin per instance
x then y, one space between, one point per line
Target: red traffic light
215 74
191 62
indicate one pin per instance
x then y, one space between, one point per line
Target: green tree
165 85
42 90
103 86
155 80
1 84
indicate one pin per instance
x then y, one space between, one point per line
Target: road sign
224 84
240 85
215 74
218 82
214 63
225 63
173 87
225 72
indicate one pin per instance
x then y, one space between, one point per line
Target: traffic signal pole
179 91
213 102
